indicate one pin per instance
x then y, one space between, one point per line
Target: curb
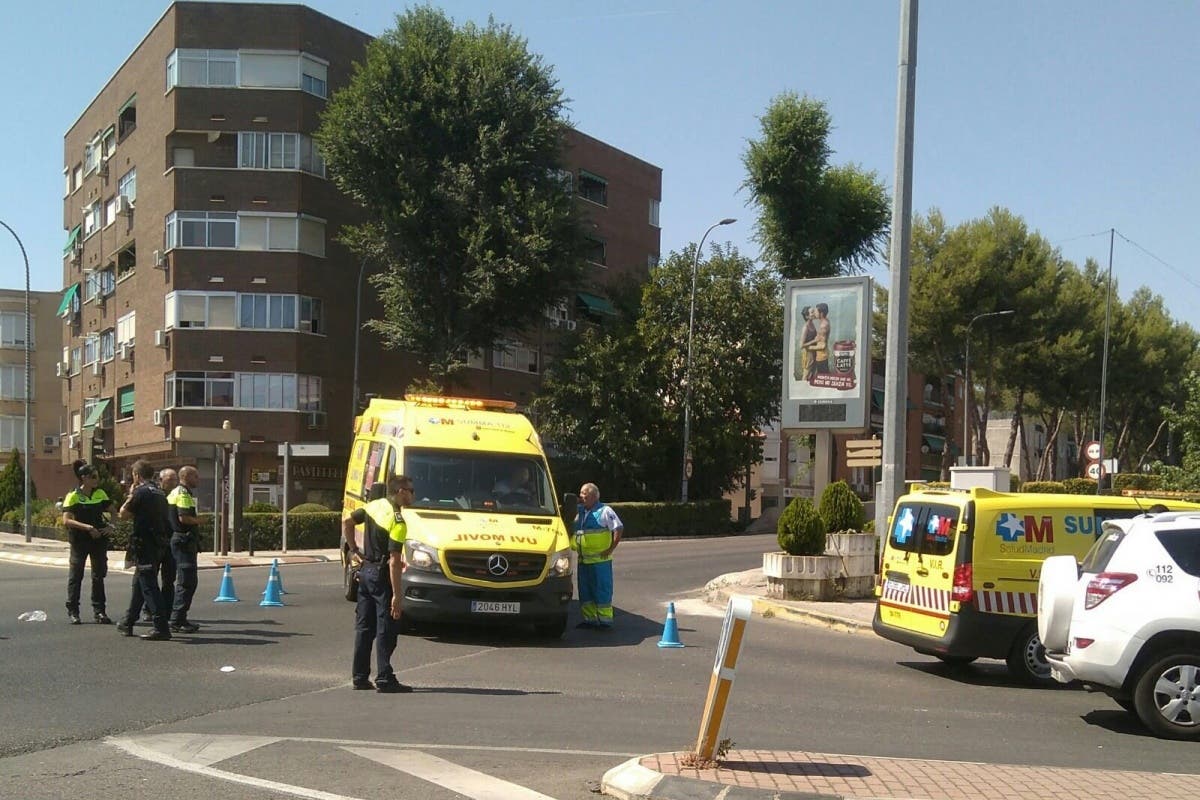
632 781
768 608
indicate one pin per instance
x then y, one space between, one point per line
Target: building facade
203 280
50 478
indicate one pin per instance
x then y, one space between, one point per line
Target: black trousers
373 623
166 573
83 549
184 550
146 592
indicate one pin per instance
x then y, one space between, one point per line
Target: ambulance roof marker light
461 403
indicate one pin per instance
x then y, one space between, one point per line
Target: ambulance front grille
497 567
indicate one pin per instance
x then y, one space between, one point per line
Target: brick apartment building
50 477
203 280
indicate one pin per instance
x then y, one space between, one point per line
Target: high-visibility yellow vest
591 537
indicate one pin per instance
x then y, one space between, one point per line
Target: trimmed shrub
666 519
1079 486
308 508
840 508
260 508
1135 480
936 484
801 531
1014 482
1043 487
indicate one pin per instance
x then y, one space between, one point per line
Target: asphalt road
85 712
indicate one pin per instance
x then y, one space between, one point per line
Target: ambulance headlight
421 557
560 563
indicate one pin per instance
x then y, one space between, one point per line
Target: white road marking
207 750
467 782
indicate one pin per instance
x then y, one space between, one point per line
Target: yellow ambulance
959 574
486 542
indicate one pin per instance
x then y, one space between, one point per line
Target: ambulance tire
1027 659
350 582
553 629
1056 601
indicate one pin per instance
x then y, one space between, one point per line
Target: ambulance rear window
926 528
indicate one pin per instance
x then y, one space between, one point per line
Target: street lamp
28 385
967 378
687 392
362 270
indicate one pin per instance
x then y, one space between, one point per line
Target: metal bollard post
248 532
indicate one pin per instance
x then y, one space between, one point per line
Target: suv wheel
1027 659
1167 696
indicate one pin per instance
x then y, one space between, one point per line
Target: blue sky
1079 116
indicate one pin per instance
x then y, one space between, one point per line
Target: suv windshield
496 482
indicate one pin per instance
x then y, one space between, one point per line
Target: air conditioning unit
126 351
97 369
62 369
160 338
160 260
316 419
124 205
50 440
571 324
76 254
160 417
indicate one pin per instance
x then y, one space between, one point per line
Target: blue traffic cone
670 636
227 593
276 573
271 595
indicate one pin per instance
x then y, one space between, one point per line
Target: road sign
1095 470
194 433
737 613
302 449
1091 451
864 453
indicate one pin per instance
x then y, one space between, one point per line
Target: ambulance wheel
350 582
1027 659
554 629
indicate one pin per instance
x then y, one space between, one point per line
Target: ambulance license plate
492 607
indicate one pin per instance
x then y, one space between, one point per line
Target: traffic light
97 447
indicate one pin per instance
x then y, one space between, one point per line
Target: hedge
667 519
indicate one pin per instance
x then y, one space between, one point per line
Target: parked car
1126 621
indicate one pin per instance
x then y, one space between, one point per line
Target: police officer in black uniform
88 534
147 507
377 614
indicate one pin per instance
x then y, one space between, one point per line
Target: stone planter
801 577
857 554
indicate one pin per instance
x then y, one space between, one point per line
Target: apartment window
76 177
91 219
308 392
12 434
202 68
268 70
252 390
125 402
126 327
67 189
108 340
76 360
127 185
313 76
654 208
99 283
515 356
199 389
91 350
268 311
281 232
267 390
12 383
312 317
596 250
91 156
76 422
201 229
127 118
108 142
201 310
475 360
110 211
279 151
183 157
592 187
12 329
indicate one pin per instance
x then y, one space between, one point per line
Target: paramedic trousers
373 623
595 593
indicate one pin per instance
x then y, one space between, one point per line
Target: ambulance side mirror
570 500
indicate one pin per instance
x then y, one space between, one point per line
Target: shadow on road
1117 720
628 630
474 690
979 673
817 768
236 637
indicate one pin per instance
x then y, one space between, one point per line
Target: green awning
96 414
596 305
933 443
72 238
125 400
68 296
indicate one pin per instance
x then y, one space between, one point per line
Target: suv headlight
421 557
560 563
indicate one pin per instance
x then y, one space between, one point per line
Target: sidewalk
53 553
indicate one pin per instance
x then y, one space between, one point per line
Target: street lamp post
362 270
687 391
967 379
28 387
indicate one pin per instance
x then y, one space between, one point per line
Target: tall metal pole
1104 360
687 391
362 269
967 393
28 389
891 483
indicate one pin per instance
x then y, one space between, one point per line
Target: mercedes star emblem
497 564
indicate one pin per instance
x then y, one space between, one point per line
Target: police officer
147 507
382 559
88 534
598 531
185 547
168 479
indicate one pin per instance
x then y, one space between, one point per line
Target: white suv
1127 620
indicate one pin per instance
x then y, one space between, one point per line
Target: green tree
12 484
450 138
815 219
615 399
1184 419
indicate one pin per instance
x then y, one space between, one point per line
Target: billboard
827 354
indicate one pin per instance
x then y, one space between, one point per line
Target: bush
1014 482
840 508
308 508
1135 480
667 519
1079 486
260 508
801 531
1043 487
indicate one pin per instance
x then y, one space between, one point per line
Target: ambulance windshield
495 482
924 528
